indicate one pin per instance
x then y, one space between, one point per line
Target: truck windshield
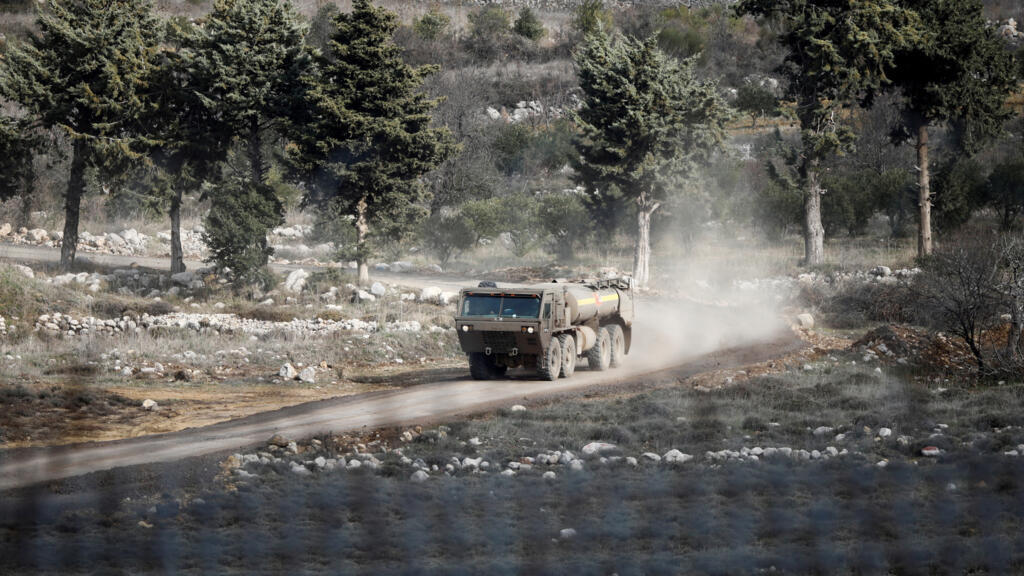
525 306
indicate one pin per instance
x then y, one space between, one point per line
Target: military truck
545 326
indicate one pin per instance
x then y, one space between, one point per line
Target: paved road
681 336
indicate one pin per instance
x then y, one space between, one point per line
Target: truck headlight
466 327
527 329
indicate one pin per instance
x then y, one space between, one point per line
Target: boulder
296 281
448 297
430 294
278 440
567 533
5 230
185 278
363 296
288 372
308 374
676 457
651 456
595 448
518 408
149 404
881 271
805 321
38 235
419 476
378 289
25 271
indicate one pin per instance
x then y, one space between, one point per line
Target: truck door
545 316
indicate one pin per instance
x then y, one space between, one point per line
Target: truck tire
600 356
549 361
618 345
568 355
482 367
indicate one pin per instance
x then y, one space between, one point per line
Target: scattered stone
805 321
549 475
149 404
278 440
518 408
296 281
884 432
597 448
288 372
567 533
378 289
308 375
651 456
419 476
676 457
823 430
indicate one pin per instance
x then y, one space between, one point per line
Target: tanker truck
546 327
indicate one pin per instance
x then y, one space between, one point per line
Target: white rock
353 464
651 456
5 230
308 374
378 289
419 476
805 321
184 278
300 469
597 448
430 294
930 451
576 465
25 271
149 404
822 430
363 296
508 472
296 281
567 533
518 408
549 475
676 457
287 372
884 432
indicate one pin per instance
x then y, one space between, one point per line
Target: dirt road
683 336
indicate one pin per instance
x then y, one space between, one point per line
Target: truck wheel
600 356
549 362
618 345
482 367
568 355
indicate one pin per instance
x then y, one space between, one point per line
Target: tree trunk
259 171
72 206
814 232
642 249
362 231
924 234
1016 325
177 255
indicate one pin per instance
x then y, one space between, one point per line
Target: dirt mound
916 346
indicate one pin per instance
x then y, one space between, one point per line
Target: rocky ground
117 353
820 463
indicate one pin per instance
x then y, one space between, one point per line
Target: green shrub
431 26
241 214
528 25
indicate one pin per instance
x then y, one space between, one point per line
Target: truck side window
547 310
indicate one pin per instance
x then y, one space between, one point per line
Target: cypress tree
645 123
960 72
365 140
186 134
840 53
83 73
249 63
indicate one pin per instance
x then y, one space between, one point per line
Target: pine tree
645 123
83 73
840 54
367 140
186 136
961 72
18 145
528 25
250 62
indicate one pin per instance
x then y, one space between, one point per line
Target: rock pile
63 324
3 327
